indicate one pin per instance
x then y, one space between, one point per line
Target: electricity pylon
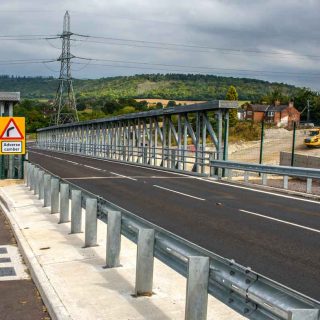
65 108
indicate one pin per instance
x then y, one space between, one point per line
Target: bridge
144 164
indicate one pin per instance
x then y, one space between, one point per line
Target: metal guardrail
297 172
249 293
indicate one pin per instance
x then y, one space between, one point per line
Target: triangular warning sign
11 131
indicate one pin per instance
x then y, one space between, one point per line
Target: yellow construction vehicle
313 140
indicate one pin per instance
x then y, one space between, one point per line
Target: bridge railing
221 168
249 293
172 158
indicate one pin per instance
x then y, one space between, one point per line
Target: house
282 115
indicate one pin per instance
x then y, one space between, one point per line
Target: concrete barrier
300 160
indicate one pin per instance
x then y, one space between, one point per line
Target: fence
247 292
263 144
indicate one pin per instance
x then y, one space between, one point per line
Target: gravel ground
276 140
298 185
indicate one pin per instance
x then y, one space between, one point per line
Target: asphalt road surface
275 234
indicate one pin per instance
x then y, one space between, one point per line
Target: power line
240 72
25 35
184 50
157 45
193 46
196 67
25 62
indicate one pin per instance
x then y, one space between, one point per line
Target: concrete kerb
53 303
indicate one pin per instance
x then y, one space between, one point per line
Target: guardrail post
55 195
197 288
41 182
64 203
47 190
113 239
76 211
29 175
309 185
285 182
305 314
91 223
173 159
264 178
145 259
246 177
36 181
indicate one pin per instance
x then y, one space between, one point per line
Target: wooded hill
169 86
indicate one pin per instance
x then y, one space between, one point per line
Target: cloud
288 28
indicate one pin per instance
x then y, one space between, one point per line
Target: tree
232 95
171 103
159 105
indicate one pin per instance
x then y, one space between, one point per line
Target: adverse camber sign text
12 135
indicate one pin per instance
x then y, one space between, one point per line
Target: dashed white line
178 192
282 221
90 167
192 177
126 177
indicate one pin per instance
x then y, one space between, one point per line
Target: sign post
12 147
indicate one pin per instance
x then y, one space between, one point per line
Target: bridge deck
274 234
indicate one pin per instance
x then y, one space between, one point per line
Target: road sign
12 135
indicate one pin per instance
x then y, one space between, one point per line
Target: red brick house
282 115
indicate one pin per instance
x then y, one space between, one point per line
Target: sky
270 40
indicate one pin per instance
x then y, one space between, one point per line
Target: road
275 234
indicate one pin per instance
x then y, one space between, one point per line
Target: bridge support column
197 288
144 267
113 239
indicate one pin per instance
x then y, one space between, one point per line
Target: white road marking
120 175
183 194
282 221
193 177
90 167
84 178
